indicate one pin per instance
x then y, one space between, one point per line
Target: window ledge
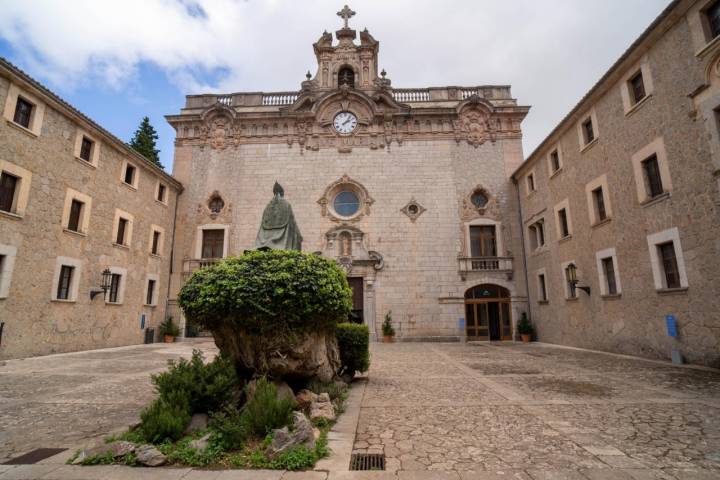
710 46
588 146
613 296
565 238
672 291
129 186
543 302
556 172
572 299
21 128
120 245
530 193
87 163
149 306
155 255
601 223
60 300
652 201
164 204
73 232
539 250
639 104
11 215
113 304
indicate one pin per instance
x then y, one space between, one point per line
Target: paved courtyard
535 411
440 411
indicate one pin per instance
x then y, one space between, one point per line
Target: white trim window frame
593 207
156 289
563 205
7 266
656 149
84 221
74 284
36 116
602 274
94 159
211 226
120 288
22 188
659 273
583 139
630 103
552 171
127 240
161 240
136 174
542 286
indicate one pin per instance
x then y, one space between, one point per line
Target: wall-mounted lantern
572 278
104 285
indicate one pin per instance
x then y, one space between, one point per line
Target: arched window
346 76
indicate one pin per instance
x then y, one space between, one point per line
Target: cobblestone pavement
69 400
506 410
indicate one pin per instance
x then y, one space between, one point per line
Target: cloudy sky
120 60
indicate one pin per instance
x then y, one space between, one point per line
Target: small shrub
354 344
266 411
295 458
169 328
166 418
335 390
208 386
229 428
387 328
183 453
524 326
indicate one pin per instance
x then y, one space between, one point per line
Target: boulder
199 421
150 456
283 389
305 398
322 407
201 443
302 434
296 358
118 449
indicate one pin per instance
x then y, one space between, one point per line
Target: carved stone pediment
346 244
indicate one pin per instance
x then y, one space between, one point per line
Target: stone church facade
408 189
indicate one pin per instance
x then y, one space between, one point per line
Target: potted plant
387 329
168 330
525 328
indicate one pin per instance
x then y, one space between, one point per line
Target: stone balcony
503 265
191 265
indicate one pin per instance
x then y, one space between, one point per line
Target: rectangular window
8 186
23 112
713 18
609 269
482 241
161 193
129 175
599 199
114 287
86 149
669 264
76 208
213 242
150 296
156 243
543 287
63 290
540 234
122 226
555 160
652 176
637 87
562 218
532 235
531 183
588 132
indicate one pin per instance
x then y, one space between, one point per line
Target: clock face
345 122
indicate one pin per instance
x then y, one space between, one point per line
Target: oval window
346 203
479 199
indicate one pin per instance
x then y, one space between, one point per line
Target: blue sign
461 323
142 321
671 325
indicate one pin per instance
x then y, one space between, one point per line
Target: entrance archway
488 313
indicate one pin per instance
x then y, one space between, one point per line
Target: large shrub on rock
274 311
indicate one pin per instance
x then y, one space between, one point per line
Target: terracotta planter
388 339
526 337
169 339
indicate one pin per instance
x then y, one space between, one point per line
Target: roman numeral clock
345 123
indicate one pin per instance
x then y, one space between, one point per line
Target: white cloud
551 52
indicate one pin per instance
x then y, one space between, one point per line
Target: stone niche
346 244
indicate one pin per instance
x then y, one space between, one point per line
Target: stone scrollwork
345 184
478 203
413 209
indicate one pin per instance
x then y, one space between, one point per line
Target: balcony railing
191 265
485 264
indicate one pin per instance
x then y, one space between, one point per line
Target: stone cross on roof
345 14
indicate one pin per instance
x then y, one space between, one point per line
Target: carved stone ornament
215 204
346 244
413 209
345 183
476 125
477 203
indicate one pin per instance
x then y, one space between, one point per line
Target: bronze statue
278 229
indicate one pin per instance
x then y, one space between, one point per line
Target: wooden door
213 242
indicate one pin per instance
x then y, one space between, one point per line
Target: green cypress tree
144 142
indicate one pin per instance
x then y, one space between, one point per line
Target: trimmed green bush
354 343
169 328
230 429
264 292
165 418
207 386
524 326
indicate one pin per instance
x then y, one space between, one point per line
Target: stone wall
419 283
634 322
35 324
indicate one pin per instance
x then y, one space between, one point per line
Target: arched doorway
487 313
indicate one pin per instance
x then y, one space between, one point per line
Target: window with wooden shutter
23 112
8 186
64 282
74 221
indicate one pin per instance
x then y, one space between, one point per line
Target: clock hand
346 121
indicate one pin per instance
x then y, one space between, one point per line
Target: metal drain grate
367 461
35 456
